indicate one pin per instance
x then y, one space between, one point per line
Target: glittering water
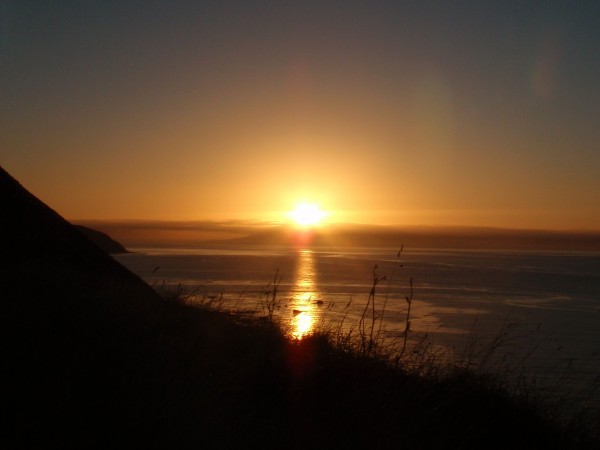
548 303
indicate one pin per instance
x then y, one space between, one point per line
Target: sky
476 113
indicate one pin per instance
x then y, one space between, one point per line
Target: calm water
549 303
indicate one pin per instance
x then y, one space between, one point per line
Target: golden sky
381 112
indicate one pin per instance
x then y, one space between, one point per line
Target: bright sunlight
307 214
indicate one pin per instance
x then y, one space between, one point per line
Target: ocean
538 311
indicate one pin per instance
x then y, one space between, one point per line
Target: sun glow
307 214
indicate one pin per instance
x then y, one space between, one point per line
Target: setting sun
307 214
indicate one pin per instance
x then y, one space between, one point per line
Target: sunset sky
475 112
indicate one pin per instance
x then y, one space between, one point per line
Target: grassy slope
93 357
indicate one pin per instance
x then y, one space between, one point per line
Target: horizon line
256 223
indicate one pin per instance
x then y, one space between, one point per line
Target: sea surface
532 313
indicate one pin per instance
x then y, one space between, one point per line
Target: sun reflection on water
305 297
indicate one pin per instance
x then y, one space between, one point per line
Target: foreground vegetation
93 357
93 363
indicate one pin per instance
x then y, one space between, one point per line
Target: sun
307 214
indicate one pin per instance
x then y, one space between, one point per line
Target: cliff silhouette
92 357
102 240
72 323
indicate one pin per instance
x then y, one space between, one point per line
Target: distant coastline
195 234
102 240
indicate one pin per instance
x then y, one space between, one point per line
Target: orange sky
464 115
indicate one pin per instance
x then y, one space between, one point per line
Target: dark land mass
102 240
196 234
93 357
467 238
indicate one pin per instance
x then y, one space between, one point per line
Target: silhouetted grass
91 360
341 374
92 357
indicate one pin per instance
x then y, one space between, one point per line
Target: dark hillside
102 240
93 357
69 315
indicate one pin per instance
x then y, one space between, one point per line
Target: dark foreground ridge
93 357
